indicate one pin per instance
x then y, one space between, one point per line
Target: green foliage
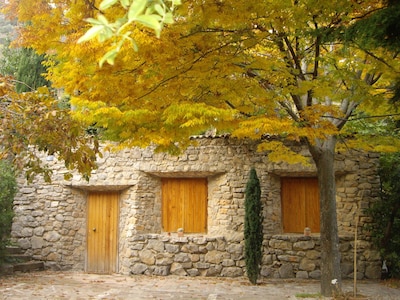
8 188
150 14
385 212
253 229
30 69
8 59
26 66
379 29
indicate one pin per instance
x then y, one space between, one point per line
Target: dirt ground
71 285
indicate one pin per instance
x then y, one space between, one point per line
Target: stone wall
284 256
50 221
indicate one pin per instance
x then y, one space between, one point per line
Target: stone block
52 236
53 256
232 272
228 263
316 274
235 249
373 271
266 271
303 245
26 232
147 257
171 248
138 269
155 245
286 271
215 257
372 255
164 259
24 243
182 257
302 275
313 254
201 265
193 272
307 265
177 269
347 269
282 245
137 246
213 271
190 248
37 242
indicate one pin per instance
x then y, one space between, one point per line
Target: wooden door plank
292 205
313 205
102 232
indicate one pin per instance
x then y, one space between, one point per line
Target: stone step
17 261
10 250
28 266
18 258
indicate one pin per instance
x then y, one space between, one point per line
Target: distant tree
380 28
8 59
25 65
253 228
8 188
30 71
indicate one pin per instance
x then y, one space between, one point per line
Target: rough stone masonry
50 221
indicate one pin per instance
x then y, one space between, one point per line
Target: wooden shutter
184 204
300 204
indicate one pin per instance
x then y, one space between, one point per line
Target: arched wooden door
102 232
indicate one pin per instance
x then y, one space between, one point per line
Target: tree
379 29
253 227
251 68
25 66
8 188
33 125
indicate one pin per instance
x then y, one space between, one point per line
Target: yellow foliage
277 152
32 123
252 68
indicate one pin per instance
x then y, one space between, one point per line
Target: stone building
125 219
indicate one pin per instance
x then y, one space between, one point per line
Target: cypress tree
8 188
253 227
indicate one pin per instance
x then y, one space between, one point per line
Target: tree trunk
323 154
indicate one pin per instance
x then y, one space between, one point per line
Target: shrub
385 229
253 227
8 188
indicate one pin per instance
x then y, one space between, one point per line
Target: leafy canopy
250 68
151 14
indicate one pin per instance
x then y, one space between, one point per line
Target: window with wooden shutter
300 204
184 204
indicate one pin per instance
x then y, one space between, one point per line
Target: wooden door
300 204
102 232
184 204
